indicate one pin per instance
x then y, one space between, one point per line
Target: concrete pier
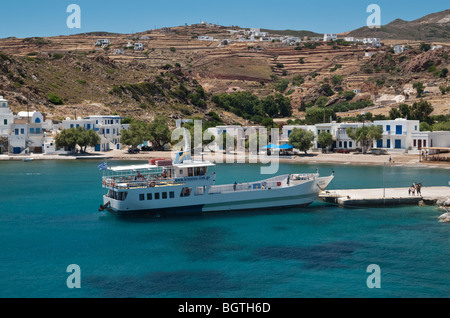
388 196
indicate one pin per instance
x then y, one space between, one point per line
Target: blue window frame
399 130
38 130
345 145
22 131
380 143
398 144
88 126
350 144
388 127
107 131
388 144
31 130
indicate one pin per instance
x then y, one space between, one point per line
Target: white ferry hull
296 195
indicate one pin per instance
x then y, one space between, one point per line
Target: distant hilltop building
329 37
103 42
138 47
372 41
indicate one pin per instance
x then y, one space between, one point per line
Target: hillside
433 27
176 75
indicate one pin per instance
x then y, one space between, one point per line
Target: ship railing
250 186
126 183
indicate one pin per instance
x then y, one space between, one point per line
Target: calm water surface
49 219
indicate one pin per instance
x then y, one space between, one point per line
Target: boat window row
157 196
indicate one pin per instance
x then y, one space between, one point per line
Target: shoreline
398 160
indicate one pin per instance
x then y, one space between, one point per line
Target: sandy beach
311 158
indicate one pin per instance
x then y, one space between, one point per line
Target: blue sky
25 18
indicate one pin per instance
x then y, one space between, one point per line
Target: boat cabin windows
141 197
200 190
157 196
149 196
190 172
164 195
186 192
172 194
119 196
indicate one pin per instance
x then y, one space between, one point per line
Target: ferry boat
163 187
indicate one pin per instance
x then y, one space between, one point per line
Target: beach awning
286 146
271 146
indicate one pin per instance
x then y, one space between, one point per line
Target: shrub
54 99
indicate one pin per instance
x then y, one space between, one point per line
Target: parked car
133 151
147 148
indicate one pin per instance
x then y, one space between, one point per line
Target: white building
138 46
397 134
376 42
329 37
6 117
103 42
205 38
436 47
236 131
398 49
424 139
107 127
349 39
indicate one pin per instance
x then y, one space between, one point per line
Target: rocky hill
433 27
176 74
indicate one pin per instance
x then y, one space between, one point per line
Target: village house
138 46
374 42
107 127
397 134
26 133
398 49
103 42
329 37
6 118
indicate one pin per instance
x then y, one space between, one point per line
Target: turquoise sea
49 220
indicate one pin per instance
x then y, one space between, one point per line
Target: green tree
425 47
325 139
420 88
136 135
365 135
315 115
159 132
67 139
336 80
86 138
425 127
301 139
442 126
298 80
421 111
327 90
